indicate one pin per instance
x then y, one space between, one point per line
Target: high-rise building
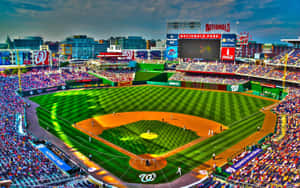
84 47
53 46
133 42
151 43
30 43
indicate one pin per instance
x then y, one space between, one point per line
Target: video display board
208 49
5 58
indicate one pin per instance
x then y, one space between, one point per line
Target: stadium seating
261 71
277 74
215 67
206 79
42 79
198 67
116 75
294 58
20 161
243 69
279 164
246 69
231 68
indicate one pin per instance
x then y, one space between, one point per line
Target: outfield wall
152 76
150 67
267 90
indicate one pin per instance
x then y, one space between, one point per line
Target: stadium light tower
19 71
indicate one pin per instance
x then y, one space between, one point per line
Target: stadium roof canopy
295 42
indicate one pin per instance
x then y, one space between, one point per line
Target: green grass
241 113
169 137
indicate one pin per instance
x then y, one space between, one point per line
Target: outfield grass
169 137
241 113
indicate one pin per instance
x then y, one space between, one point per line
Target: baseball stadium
209 109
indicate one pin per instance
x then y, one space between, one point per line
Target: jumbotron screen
199 48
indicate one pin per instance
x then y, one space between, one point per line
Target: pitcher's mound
149 136
146 163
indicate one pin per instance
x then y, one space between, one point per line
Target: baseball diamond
59 111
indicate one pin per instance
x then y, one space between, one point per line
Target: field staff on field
179 171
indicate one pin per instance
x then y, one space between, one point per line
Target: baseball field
239 115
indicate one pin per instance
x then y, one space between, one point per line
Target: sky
265 20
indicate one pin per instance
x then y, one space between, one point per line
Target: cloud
56 19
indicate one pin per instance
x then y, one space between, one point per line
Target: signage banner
41 57
172 42
172 52
268 85
243 161
243 39
200 36
172 36
267 48
212 27
50 155
142 54
228 54
5 58
228 40
129 54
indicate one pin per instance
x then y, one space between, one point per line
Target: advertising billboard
267 48
228 40
27 58
41 57
172 42
5 58
19 57
172 36
142 54
155 54
129 54
200 36
199 48
228 54
172 52
242 39
212 27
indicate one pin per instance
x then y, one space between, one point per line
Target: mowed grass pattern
241 113
224 108
169 137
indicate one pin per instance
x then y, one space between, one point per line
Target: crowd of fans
279 163
261 70
215 68
36 78
20 161
206 79
294 58
243 69
117 75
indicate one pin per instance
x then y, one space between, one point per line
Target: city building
133 42
151 43
82 47
253 48
65 50
3 46
53 46
30 43
101 46
115 40
44 47
160 45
